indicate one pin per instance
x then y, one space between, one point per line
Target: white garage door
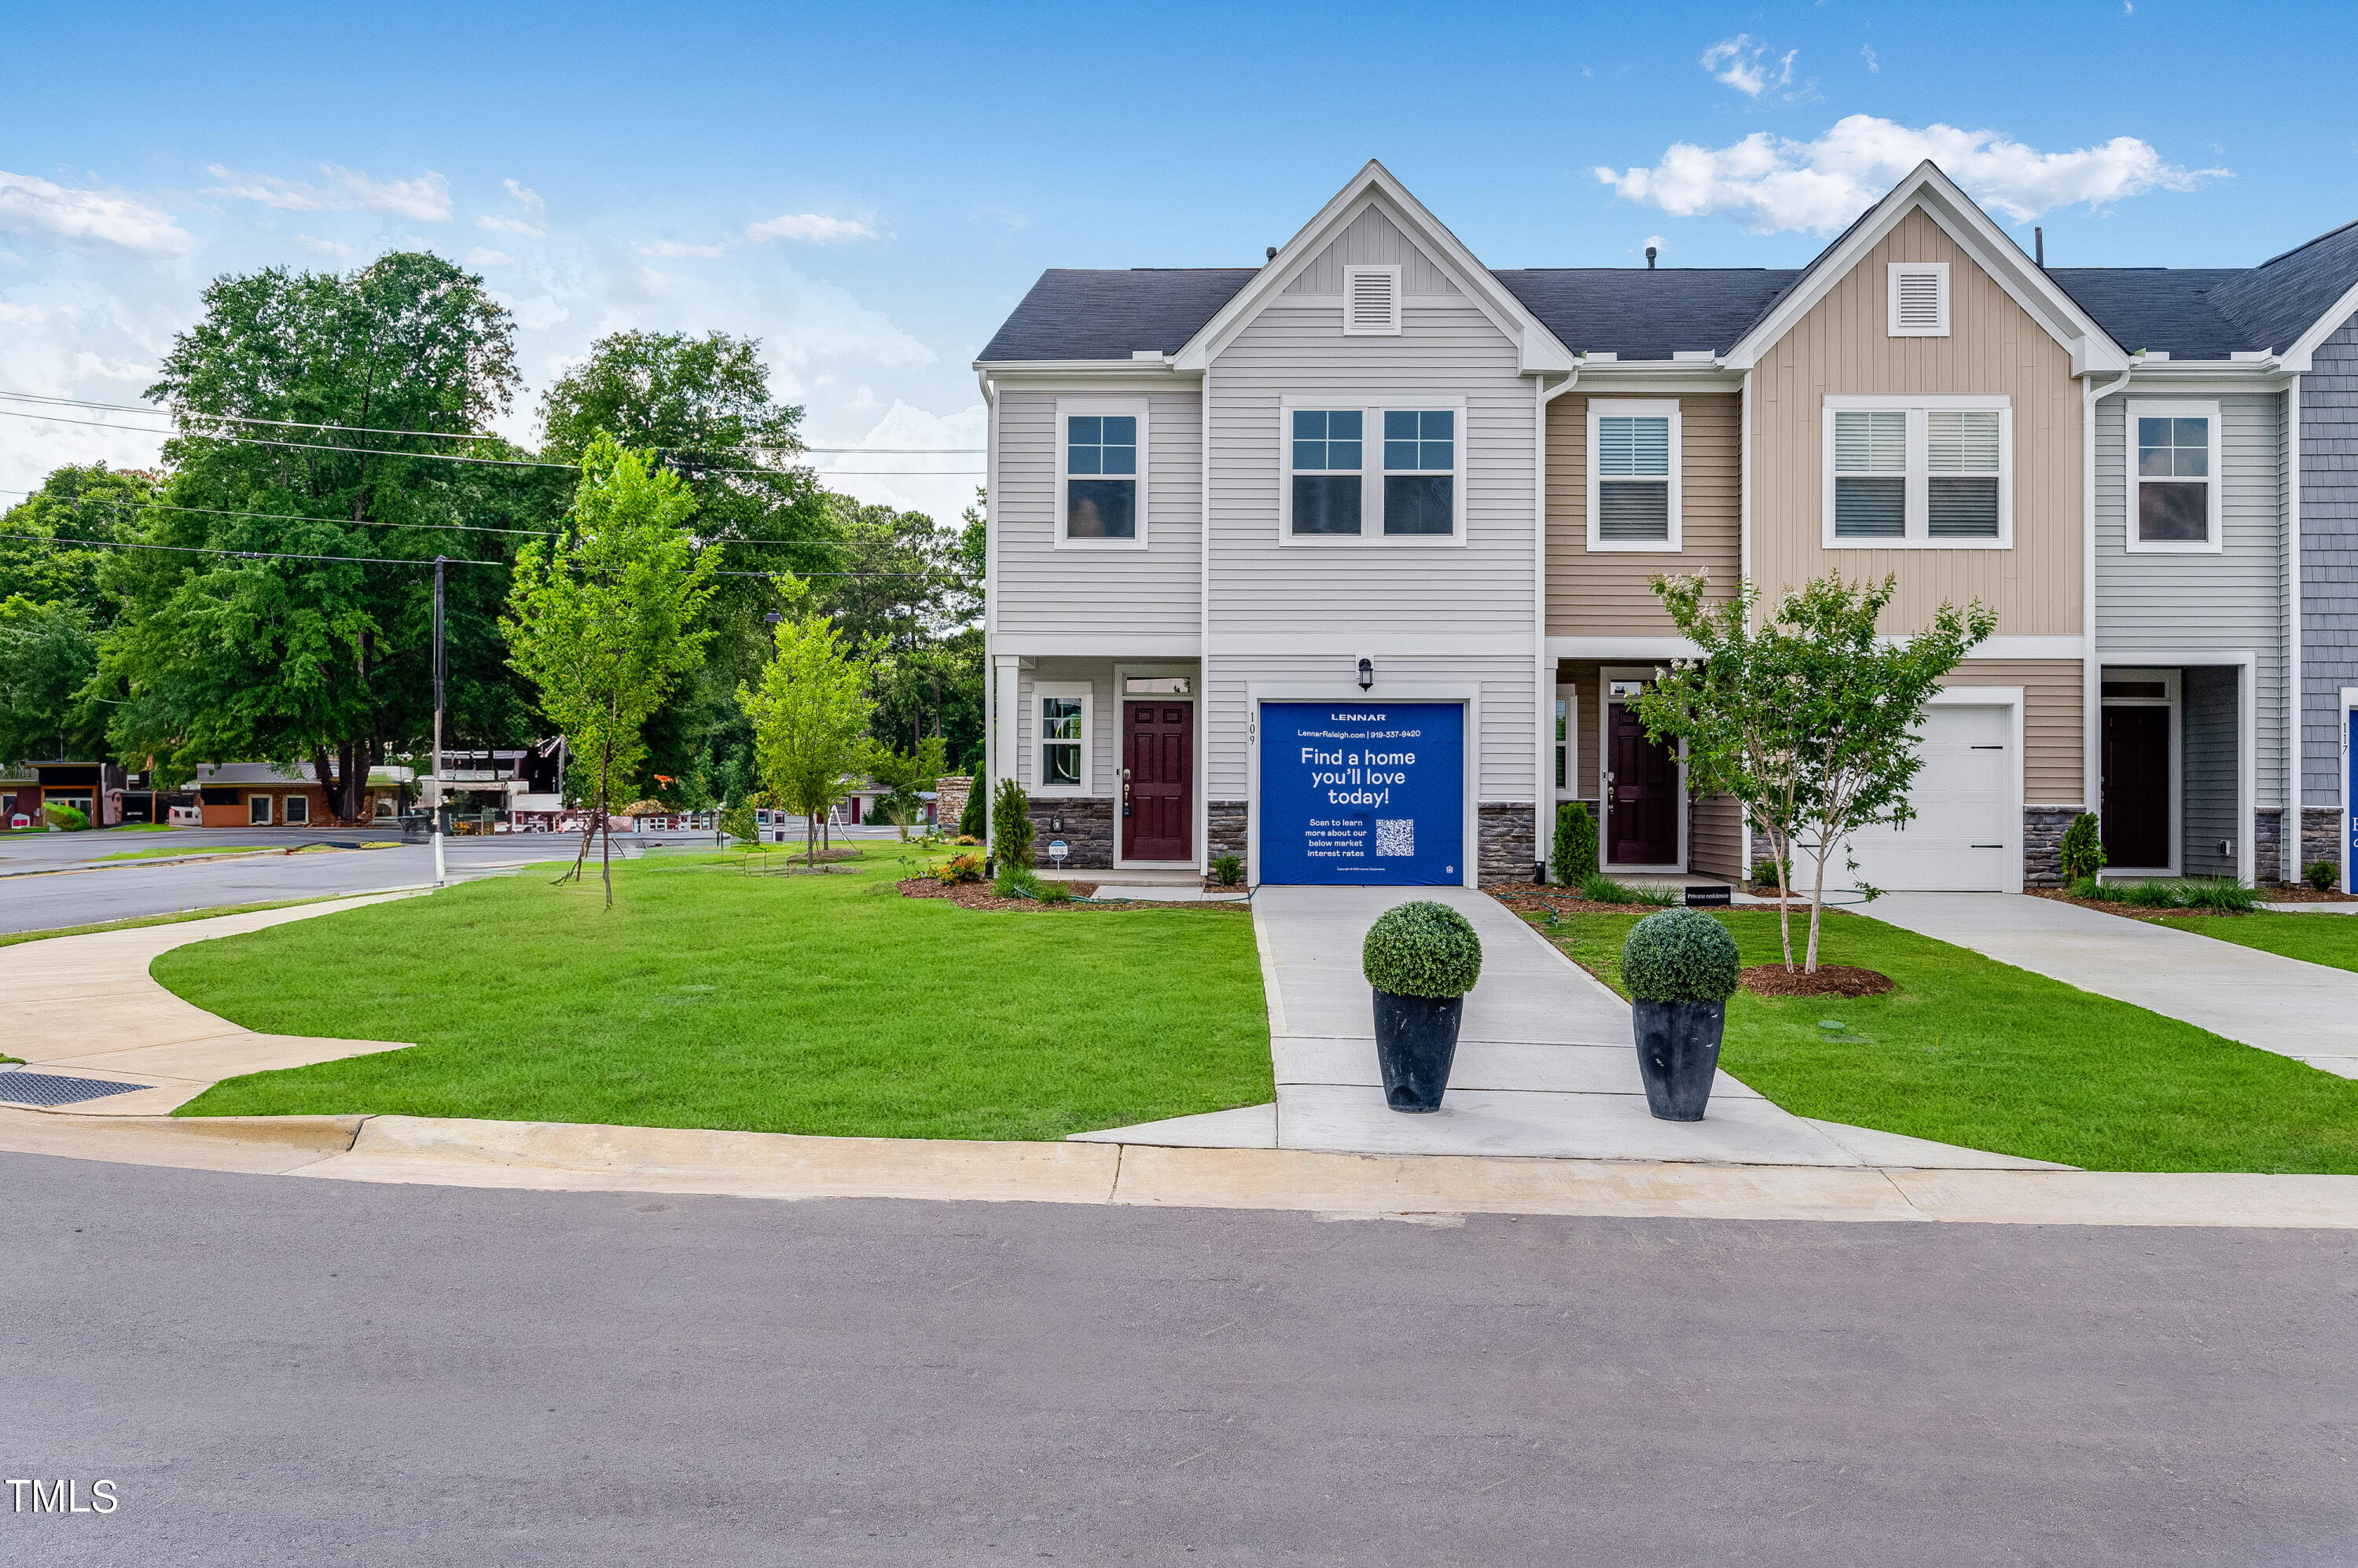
1961 839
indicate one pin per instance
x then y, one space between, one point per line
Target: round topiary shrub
1680 954
1422 949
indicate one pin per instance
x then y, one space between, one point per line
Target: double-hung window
1101 483
2174 476
1370 473
1063 712
1633 479
1934 472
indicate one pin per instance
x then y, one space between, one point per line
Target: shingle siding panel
2329 545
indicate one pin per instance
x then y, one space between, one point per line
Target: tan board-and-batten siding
2053 765
1609 593
1843 346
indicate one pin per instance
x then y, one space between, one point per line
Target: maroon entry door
1642 802
1158 766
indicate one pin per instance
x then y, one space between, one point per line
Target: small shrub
739 823
1599 888
1680 954
965 839
1767 874
2321 875
2089 887
2223 894
2082 850
1016 881
1422 949
959 869
1228 869
1055 892
66 818
1576 843
2158 893
969 822
1011 826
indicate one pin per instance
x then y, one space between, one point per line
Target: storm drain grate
49 1088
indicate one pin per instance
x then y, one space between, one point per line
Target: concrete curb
562 1157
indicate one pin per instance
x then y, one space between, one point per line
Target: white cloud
674 250
426 199
1655 243
1779 184
814 227
1747 66
62 214
940 484
483 256
325 247
1873 64
535 212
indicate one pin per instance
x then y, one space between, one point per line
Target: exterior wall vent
1920 299
1371 300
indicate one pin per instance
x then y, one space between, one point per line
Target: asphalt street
282 1370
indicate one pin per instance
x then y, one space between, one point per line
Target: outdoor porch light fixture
1367 674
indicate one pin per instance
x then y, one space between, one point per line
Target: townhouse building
1342 564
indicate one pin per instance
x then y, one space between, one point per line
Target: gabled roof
1109 315
2174 310
2283 298
1648 313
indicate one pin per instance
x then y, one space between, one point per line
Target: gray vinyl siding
1372 238
2329 557
1041 587
2207 741
2151 607
1104 721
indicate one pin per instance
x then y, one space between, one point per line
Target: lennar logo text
63 1497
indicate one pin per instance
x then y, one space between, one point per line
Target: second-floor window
1102 473
2174 476
1633 493
1371 472
1931 473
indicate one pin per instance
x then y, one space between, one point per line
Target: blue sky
869 190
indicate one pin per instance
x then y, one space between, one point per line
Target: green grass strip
711 998
1970 1050
2328 939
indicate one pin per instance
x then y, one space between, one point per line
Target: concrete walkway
1545 1067
85 1007
2304 1011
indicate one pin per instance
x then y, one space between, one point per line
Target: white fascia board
2091 348
2182 378
1088 372
1374 185
1659 375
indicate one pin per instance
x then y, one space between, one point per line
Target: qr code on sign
1396 836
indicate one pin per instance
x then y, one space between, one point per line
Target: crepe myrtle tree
1806 715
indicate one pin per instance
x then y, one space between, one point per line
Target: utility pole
441 878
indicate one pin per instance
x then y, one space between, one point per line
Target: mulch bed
2301 892
1832 979
1530 898
2139 911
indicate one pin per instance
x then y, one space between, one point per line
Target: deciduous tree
810 715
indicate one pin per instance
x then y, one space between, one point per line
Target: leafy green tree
48 656
74 503
1808 718
603 621
904 776
217 657
810 715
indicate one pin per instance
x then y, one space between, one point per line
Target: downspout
989 604
2091 670
1203 637
1544 812
2296 753
1744 564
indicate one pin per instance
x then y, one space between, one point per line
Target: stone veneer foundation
1224 830
1507 841
2042 844
1088 832
2267 845
2321 835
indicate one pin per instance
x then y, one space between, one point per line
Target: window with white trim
1934 472
1919 304
1332 453
257 810
2173 476
298 809
1061 743
1563 739
1101 472
1371 300
1633 478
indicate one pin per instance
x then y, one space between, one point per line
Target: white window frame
1066 691
1644 408
1567 749
1892 275
261 802
1351 276
1919 471
2171 408
1086 407
289 806
1371 472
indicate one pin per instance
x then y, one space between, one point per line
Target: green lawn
2329 939
135 922
711 997
1970 1050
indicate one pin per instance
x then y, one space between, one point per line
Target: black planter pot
1416 1039
1678 1051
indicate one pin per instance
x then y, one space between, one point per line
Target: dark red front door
2136 787
1641 803
1157 760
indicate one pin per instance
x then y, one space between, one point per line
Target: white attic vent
1920 299
1371 300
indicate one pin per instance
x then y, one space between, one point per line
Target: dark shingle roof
1105 315
1647 313
2284 295
2170 309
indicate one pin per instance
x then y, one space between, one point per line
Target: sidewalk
2308 1011
1546 1064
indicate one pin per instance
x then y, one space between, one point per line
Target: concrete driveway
2304 1011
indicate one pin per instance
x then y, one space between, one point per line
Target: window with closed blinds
1633 473
1870 474
1935 475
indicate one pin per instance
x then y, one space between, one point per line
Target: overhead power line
56 539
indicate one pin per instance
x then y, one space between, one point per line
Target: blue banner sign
1363 792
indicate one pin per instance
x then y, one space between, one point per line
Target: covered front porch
2179 749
